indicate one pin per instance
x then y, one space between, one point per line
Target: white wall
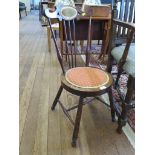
27 3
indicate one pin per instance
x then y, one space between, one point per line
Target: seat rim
86 91
99 85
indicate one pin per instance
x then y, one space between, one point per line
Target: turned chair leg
77 122
57 98
122 119
111 105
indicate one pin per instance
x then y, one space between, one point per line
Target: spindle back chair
122 50
81 81
124 10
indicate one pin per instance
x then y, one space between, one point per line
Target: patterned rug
123 89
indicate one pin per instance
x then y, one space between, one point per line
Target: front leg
111 105
122 119
57 98
77 122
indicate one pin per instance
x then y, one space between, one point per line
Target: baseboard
126 129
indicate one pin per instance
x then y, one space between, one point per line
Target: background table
100 29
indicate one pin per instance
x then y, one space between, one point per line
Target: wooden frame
21 8
118 37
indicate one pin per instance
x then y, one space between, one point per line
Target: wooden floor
44 132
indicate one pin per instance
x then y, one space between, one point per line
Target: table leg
61 37
105 40
49 38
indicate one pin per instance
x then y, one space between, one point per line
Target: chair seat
129 65
87 77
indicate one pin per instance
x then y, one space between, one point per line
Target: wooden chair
81 81
43 20
122 50
21 8
55 27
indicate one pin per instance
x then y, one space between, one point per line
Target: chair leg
109 64
20 15
98 42
77 122
118 76
49 38
81 44
25 12
122 119
57 98
55 32
111 105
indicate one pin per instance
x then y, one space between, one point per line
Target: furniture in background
107 1
81 81
22 7
122 50
50 4
100 29
42 4
55 22
55 27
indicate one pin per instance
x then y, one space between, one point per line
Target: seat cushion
129 65
87 77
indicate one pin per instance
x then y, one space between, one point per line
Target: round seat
87 77
86 81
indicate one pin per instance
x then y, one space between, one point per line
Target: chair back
124 10
21 4
68 15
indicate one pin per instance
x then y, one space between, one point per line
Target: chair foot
73 143
119 130
57 98
77 122
52 108
121 123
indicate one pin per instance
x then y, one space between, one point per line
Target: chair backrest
124 10
69 28
122 27
21 4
